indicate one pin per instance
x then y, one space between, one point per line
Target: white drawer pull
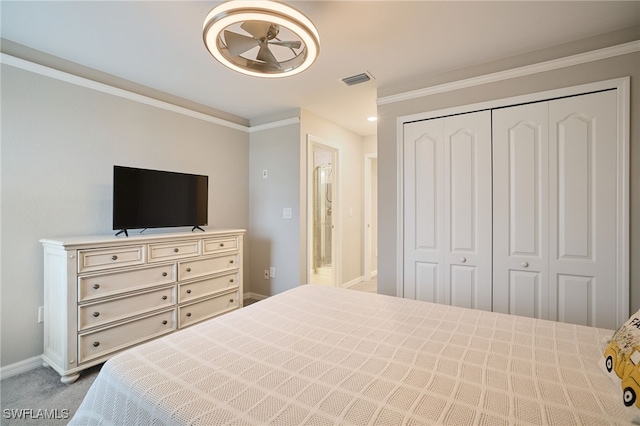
525 263
96 286
114 257
96 314
463 259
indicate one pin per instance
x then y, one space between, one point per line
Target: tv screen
157 199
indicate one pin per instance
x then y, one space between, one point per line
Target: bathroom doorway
323 220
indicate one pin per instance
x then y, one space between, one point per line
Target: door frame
336 238
367 248
622 86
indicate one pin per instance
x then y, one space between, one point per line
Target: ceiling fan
261 38
264 35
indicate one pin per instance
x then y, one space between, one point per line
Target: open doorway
323 218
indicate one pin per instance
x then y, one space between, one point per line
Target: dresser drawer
208 266
199 311
102 342
101 313
219 245
115 257
93 287
208 286
174 250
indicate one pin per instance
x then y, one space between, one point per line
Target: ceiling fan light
237 11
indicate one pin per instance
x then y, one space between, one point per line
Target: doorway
323 218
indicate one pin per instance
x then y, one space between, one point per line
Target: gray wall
274 241
59 144
620 66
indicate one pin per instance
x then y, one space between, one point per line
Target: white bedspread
326 356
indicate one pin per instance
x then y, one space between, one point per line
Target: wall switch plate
266 274
286 213
272 272
264 174
40 314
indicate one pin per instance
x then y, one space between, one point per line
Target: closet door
447 183
467 210
520 210
583 143
423 210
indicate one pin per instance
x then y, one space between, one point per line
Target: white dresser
104 294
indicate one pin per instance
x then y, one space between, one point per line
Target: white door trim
622 85
367 248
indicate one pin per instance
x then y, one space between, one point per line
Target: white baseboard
20 367
352 282
254 296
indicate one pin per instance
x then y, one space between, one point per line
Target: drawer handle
231 280
525 264
96 286
463 259
96 314
175 250
188 291
230 300
164 274
221 244
96 344
164 297
188 314
114 257
188 269
164 322
231 261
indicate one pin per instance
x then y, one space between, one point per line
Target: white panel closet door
583 198
467 210
424 221
520 210
447 184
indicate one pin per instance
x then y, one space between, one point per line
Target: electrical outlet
266 274
40 314
272 272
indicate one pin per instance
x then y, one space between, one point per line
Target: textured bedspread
326 356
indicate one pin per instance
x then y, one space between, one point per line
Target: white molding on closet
115 91
622 85
581 58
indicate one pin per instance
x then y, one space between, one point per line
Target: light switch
264 174
286 213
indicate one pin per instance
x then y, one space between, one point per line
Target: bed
327 356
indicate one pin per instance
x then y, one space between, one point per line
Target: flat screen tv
145 198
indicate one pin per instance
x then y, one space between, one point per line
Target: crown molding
581 58
274 124
115 91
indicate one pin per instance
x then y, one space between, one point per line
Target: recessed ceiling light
261 38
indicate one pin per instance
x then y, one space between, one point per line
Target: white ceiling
159 44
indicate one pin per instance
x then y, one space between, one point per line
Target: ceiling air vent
357 79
